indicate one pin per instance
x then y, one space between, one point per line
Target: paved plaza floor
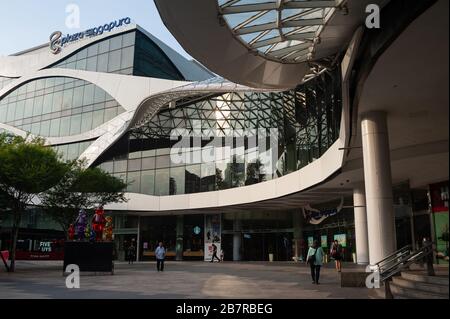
237 280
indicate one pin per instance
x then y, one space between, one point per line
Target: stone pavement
239 280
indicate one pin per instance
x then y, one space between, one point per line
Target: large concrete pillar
179 242
361 232
237 239
138 240
378 184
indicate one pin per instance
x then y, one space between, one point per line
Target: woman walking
336 254
315 261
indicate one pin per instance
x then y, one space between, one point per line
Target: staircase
416 285
402 278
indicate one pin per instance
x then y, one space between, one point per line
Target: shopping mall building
299 121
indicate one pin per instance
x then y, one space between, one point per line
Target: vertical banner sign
212 235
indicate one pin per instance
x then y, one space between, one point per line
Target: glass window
86 122
110 113
102 64
11 112
148 182
134 164
65 126
128 39
134 180
115 43
103 46
57 100
3 113
45 128
107 166
35 128
162 182
72 151
208 182
20 108
91 64
47 105
54 127
127 57
75 124
97 118
148 163
77 99
92 50
162 161
99 95
120 166
177 180
192 177
28 111
88 97
38 105
82 54
81 64
114 61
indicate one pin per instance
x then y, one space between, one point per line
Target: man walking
160 254
214 247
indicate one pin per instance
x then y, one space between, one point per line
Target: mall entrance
257 246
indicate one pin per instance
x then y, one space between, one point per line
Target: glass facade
131 53
58 106
298 126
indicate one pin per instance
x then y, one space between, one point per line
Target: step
422 277
406 293
420 285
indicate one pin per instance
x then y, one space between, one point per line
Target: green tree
27 168
81 187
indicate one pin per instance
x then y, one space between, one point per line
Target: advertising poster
212 235
342 239
439 196
324 241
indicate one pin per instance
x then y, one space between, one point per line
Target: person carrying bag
314 259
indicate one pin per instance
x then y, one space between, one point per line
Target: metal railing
400 260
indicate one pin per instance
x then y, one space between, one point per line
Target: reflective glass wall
58 106
238 133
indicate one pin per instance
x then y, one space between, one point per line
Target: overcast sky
28 23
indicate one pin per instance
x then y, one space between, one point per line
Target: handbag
312 259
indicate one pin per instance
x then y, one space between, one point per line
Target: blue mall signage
58 41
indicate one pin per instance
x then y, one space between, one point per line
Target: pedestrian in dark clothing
214 253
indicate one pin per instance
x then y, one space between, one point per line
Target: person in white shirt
160 254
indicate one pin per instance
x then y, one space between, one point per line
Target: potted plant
270 253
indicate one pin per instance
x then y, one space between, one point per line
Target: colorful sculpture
98 223
87 232
108 234
71 232
80 224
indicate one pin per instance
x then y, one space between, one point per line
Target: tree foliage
81 188
27 168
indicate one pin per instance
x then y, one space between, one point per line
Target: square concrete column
378 184
361 232
179 241
237 239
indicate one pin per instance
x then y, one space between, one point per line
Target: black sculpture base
89 256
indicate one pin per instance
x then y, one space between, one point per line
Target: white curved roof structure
264 43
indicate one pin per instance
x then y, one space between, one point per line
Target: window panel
114 61
58 99
128 39
75 124
88 97
81 64
134 180
102 62
103 46
54 127
127 57
162 182
11 112
38 105
97 118
77 99
99 95
92 50
91 64
86 122
64 126
115 43
148 182
48 103
177 180
110 113
45 128
20 108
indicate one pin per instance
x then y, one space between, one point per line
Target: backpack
312 259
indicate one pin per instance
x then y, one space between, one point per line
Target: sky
27 23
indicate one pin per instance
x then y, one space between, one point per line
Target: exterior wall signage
58 41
